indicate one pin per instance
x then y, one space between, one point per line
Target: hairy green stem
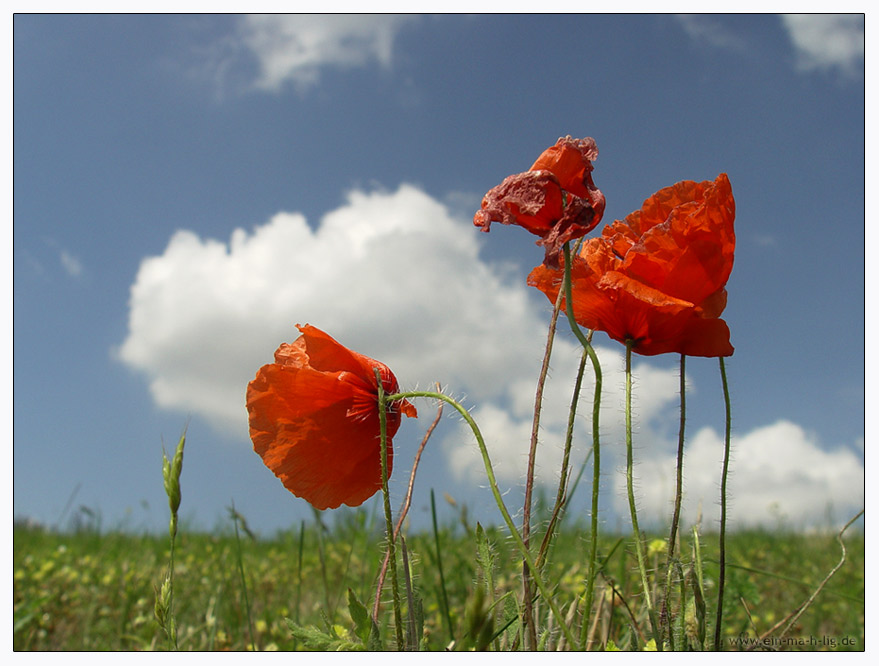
630 490
586 342
531 632
596 481
389 521
562 492
676 515
722 555
495 491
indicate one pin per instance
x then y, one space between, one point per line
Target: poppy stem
528 601
404 509
383 402
676 515
630 490
596 481
498 498
722 537
586 342
569 302
562 492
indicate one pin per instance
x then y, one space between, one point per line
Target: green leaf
360 616
364 626
484 554
313 638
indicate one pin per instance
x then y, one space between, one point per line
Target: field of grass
310 587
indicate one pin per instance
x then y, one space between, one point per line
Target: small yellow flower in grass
657 547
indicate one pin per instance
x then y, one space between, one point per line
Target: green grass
91 591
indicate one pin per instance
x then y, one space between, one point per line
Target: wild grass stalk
444 597
239 560
164 606
792 619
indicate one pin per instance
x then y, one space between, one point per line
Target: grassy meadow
460 587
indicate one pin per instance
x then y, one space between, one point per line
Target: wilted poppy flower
555 199
658 278
314 420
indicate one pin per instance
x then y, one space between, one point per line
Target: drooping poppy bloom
555 199
658 277
314 420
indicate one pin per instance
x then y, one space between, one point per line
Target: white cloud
396 276
827 41
70 263
295 48
392 275
704 29
508 431
779 474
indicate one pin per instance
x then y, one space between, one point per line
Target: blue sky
188 188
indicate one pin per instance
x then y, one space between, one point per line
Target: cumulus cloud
780 475
827 41
296 48
396 276
507 430
390 274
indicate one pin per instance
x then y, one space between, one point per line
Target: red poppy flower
314 420
658 278
555 199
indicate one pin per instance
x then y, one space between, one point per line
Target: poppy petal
658 277
556 199
314 420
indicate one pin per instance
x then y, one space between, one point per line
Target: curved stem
793 617
586 342
630 490
495 491
389 524
569 304
725 473
404 510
